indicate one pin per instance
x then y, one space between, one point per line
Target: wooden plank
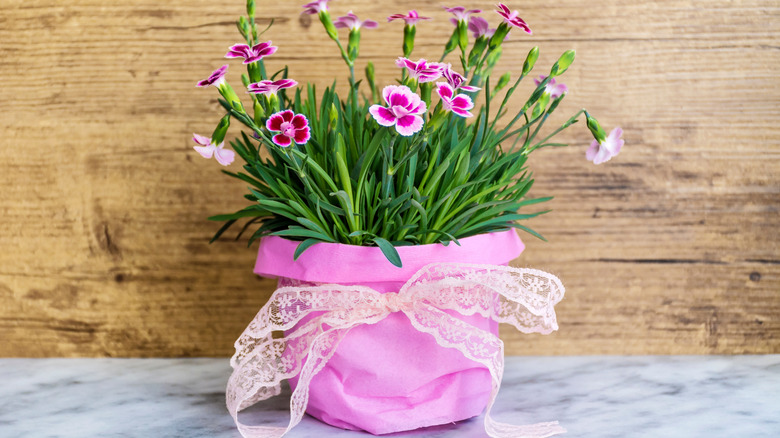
671 248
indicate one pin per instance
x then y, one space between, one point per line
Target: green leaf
303 246
528 230
251 211
295 231
389 251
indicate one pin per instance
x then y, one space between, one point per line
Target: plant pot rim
349 264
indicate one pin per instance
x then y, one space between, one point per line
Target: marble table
663 396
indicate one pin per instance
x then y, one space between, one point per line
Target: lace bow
523 298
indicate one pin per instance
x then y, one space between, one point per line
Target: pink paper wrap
389 377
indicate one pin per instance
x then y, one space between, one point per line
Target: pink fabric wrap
389 377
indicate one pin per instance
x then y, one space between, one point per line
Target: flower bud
333 115
328 23
562 64
222 127
452 42
499 36
463 35
259 113
354 44
250 8
231 97
409 33
426 89
255 73
370 75
476 52
243 27
595 128
493 58
530 60
503 81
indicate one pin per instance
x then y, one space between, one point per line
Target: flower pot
389 377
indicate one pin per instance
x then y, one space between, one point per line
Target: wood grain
671 248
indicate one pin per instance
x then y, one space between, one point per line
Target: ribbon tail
255 379
484 348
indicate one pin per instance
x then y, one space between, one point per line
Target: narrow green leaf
389 251
303 246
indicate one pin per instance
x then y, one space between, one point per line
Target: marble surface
664 396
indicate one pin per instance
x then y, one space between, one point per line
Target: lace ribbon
523 298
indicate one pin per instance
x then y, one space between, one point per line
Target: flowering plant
406 164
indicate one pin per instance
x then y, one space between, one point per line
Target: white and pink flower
480 27
600 152
410 19
217 78
291 128
315 7
268 88
403 110
512 18
456 80
459 104
553 88
352 22
461 13
207 149
422 70
251 54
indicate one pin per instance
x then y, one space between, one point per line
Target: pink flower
461 14
351 22
421 70
460 104
512 18
411 19
270 87
315 7
291 127
555 90
604 151
208 149
456 80
403 110
251 54
479 27
216 78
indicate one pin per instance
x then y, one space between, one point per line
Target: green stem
568 123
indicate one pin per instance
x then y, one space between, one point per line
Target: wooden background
671 248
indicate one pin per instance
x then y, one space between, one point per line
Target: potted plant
389 215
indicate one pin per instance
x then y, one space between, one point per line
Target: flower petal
388 90
408 125
462 112
282 140
299 121
382 115
287 115
445 90
462 101
201 140
399 99
590 154
302 135
274 123
205 151
224 156
420 108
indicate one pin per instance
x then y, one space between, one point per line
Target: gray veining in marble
664 396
